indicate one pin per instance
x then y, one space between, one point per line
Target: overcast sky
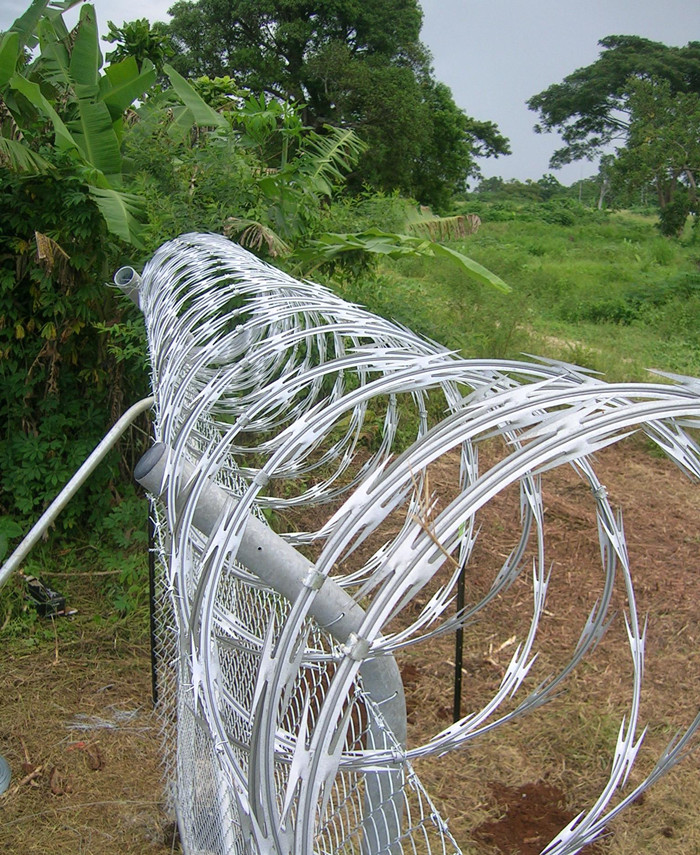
495 54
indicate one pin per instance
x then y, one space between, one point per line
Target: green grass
608 292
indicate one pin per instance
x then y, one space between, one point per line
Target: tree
591 108
268 43
350 64
663 149
604 178
453 142
142 40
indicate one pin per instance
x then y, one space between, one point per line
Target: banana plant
84 104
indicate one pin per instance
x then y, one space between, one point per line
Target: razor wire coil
287 398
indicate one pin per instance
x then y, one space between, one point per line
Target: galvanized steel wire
288 397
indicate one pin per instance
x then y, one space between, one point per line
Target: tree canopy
591 106
268 44
663 149
351 64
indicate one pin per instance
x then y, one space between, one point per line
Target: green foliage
590 107
9 529
367 208
122 550
329 247
105 566
606 292
514 206
65 372
648 95
62 376
63 86
600 310
662 150
261 180
673 216
269 44
141 40
358 66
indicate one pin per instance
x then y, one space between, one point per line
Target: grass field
609 293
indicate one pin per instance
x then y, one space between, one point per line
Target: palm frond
16 156
327 159
253 234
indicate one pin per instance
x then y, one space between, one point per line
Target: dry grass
80 785
569 743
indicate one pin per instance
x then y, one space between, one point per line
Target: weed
663 252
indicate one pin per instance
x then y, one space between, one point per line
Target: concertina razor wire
282 704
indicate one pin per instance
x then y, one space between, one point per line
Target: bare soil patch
77 728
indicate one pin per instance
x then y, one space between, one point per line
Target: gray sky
495 54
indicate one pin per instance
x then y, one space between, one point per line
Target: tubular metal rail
281 699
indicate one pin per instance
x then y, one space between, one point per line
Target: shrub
608 310
64 373
672 218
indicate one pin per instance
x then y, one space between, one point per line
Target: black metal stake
152 602
459 639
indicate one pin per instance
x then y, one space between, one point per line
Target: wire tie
262 479
398 756
314 579
355 647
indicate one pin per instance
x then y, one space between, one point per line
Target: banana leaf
25 26
202 113
123 212
181 123
328 247
86 59
55 60
33 94
18 157
123 83
95 136
9 53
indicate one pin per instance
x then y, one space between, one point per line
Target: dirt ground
77 727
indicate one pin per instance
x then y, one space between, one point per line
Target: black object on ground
48 603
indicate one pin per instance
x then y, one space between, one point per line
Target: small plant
9 529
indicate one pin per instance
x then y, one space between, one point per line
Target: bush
672 218
369 209
612 310
672 304
65 374
558 214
